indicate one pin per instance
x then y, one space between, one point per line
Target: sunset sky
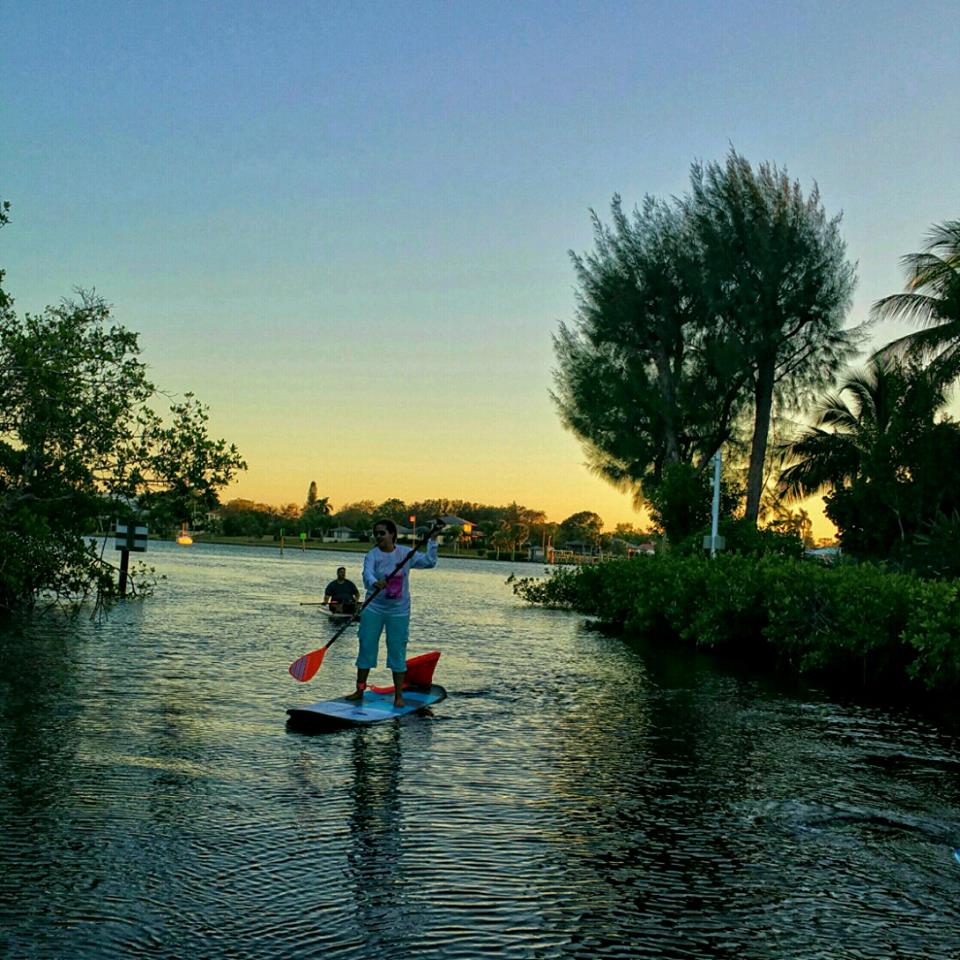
346 226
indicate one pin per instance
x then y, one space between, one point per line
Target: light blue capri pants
372 624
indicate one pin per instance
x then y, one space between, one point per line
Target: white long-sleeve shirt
378 565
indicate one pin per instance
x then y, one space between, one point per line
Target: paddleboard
375 707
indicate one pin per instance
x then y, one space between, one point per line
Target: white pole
715 520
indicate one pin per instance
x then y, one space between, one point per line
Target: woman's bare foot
398 679
357 694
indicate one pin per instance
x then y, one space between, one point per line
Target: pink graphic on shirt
394 589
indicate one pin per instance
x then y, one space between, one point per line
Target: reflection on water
576 796
374 878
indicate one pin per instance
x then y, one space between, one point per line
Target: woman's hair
389 524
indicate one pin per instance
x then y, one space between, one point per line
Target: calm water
576 796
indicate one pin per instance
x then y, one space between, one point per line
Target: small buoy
184 539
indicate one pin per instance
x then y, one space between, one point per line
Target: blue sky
346 226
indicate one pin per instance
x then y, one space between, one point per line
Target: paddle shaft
436 528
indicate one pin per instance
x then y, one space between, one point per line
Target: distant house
580 548
628 548
465 529
451 521
341 535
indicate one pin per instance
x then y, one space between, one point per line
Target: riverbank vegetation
716 322
696 320
858 623
81 443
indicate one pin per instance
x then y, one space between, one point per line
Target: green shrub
728 608
743 537
675 584
846 619
935 551
933 632
560 589
859 622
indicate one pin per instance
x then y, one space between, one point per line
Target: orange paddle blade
306 666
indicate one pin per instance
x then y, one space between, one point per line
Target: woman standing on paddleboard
390 609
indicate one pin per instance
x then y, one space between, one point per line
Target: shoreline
351 546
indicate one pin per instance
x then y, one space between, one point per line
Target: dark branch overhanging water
577 795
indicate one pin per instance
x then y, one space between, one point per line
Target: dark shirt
342 591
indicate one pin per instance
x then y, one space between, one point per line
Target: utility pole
715 542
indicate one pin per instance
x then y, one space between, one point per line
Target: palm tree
861 428
838 447
876 439
932 300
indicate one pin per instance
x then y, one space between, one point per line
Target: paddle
304 668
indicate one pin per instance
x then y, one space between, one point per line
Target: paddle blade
304 668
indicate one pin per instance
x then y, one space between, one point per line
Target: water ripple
576 796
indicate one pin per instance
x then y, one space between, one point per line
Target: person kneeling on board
390 609
341 594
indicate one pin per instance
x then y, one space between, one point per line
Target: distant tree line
509 528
